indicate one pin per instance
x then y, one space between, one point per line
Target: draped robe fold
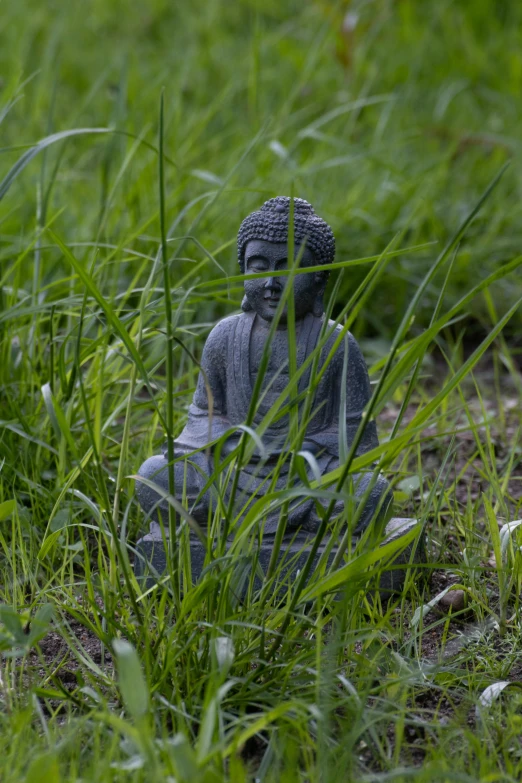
226 373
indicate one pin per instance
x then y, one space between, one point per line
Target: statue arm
210 394
207 415
358 393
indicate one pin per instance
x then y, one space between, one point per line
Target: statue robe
225 367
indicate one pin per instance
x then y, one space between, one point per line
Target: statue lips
272 298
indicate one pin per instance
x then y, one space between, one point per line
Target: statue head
262 245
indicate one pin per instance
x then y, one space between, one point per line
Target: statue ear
318 306
245 305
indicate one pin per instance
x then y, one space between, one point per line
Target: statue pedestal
151 560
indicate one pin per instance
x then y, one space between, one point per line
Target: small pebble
455 599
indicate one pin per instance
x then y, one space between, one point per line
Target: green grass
112 241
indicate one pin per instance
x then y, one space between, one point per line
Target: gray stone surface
151 559
232 368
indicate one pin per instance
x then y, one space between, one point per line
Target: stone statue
229 370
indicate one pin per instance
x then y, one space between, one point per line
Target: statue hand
179 451
309 445
229 445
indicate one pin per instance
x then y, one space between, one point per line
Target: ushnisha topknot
270 223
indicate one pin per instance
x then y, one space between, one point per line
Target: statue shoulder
217 340
354 349
352 342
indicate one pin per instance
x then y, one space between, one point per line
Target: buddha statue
230 365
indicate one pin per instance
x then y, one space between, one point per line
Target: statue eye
257 265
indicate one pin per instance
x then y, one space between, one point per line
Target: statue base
151 560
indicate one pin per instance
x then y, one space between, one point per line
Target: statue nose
272 282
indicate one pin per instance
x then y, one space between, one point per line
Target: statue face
264 293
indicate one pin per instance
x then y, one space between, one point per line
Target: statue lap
191 475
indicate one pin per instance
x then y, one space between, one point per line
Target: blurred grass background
390 117
386 115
